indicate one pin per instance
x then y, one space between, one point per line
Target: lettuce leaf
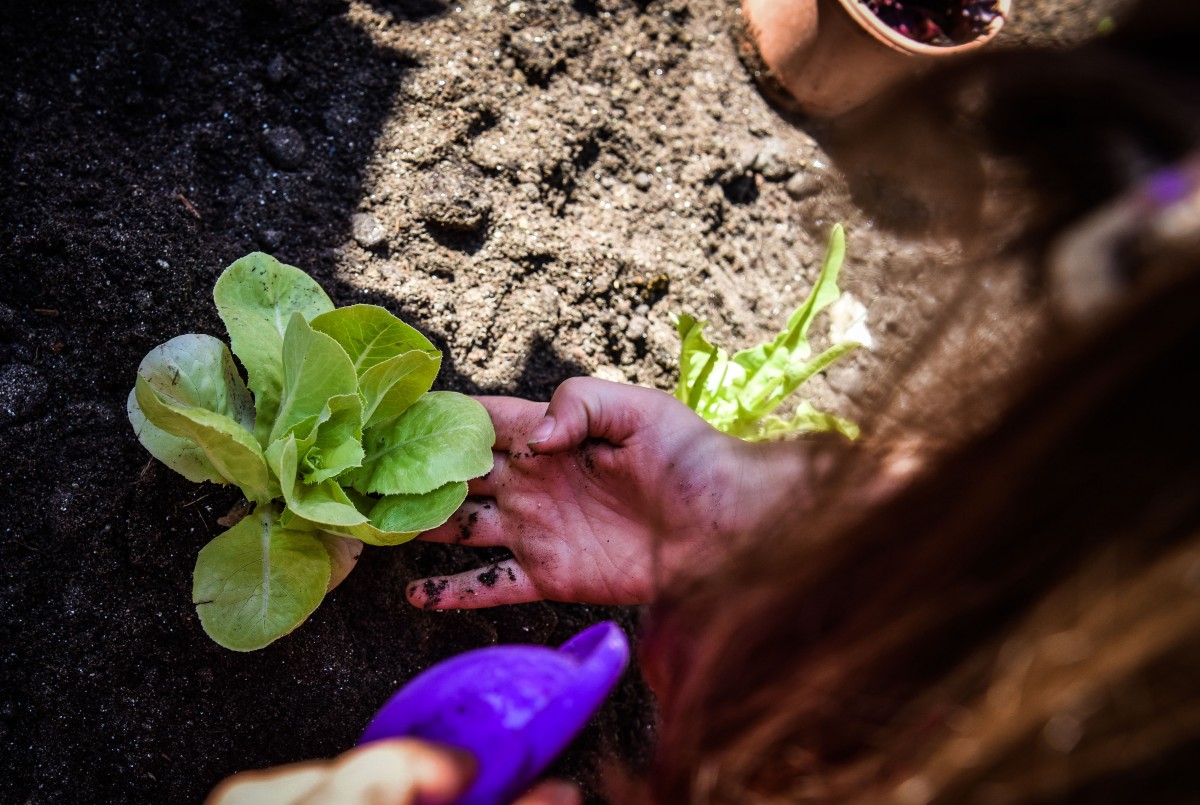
315 368
324 503
226 446
394 363
256 297
333 443
738 395
394 519
258 581
191 410
408 455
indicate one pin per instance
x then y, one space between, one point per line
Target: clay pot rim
893 39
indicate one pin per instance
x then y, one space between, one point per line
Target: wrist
772 480
740 495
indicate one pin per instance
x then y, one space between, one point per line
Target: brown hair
1021 623
1016 617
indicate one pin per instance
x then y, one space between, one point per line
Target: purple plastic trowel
513 707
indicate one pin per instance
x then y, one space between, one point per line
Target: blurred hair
1021 622
1024 140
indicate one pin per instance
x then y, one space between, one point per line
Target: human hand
403 771
605 494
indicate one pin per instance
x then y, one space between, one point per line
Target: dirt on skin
536 185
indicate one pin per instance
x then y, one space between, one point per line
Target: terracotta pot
834 55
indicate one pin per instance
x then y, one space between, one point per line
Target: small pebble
367 230
277 70
453 196
747 155
284 147
638 326
774 162
610 373
270 239
643 180
804 184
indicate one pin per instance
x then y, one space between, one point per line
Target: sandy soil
536 185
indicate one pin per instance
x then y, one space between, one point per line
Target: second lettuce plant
739 395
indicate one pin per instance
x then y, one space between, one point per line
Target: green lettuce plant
334 438
738 395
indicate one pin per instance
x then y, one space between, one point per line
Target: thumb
589 408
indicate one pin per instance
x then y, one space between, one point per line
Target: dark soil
144 147
534 185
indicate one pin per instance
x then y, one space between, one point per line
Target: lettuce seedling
335 437
738 395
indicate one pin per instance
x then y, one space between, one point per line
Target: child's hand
604 495
403 771
395 772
